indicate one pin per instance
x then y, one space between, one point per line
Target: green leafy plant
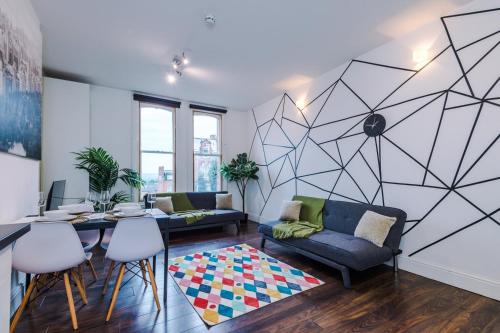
240 170
104 172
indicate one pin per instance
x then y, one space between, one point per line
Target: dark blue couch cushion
202 200
342 248
220 216
343 217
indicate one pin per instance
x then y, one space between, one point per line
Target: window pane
206 173
157 129
157 170
206 134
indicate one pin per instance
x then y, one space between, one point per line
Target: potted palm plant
240 170
104 172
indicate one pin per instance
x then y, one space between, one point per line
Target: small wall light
421 56
301 103
171 78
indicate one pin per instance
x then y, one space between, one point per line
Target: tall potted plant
104 172
240 170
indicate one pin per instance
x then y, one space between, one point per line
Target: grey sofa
203 200
336 245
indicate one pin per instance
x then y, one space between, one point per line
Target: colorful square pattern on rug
226 283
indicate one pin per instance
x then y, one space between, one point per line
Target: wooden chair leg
38 279
80 286
153 285
20 310
71 303
116 290
92 269
143 271
81 273
108 277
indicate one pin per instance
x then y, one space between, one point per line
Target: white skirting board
468 282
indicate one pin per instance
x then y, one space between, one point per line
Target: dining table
101 223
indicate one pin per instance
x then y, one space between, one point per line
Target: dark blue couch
336 245
203 200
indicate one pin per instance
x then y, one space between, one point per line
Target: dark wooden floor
378 302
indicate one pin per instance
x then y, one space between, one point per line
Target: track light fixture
179 62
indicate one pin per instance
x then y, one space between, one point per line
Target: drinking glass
90 199
151 200
105 199
41 202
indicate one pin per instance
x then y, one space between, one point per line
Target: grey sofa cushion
342 248
220 216
202 200
343 217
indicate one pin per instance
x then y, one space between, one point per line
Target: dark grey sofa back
343 216
203 200
200 200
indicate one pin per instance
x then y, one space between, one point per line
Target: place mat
229 282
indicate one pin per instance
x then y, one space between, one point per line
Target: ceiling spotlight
209 20
174 65
171 78
185 60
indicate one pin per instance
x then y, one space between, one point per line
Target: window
157 146
207 151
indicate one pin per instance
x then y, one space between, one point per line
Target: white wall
66 121
320 150
109 118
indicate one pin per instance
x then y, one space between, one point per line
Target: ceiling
256 50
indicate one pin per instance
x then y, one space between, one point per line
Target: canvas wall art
20 84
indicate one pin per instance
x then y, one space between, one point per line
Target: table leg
27 282
165 266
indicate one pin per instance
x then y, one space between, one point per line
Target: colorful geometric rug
226 283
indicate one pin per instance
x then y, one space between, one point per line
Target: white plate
131 214
62 218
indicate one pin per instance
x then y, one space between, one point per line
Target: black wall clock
374 125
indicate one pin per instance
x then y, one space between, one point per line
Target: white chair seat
135 239
48 248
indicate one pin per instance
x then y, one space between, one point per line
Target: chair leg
116 290
108 277
92 269
81 273
38 279
71 303
153 285
80 286
262 242
20 310
143 271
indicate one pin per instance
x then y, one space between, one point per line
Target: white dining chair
89 239
52 252
134 241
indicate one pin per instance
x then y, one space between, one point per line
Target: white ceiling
256 50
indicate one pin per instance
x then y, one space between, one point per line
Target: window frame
215 115
174 141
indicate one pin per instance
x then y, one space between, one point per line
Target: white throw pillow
290 210
223 201
165 204
374 227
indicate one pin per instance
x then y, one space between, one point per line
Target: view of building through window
157 148
207 151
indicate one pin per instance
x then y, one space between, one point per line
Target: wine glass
105 199
90 199
41 202
151 200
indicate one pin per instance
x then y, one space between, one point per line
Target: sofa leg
238 225
262 242
346 278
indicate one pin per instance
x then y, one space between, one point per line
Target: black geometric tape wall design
472 100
